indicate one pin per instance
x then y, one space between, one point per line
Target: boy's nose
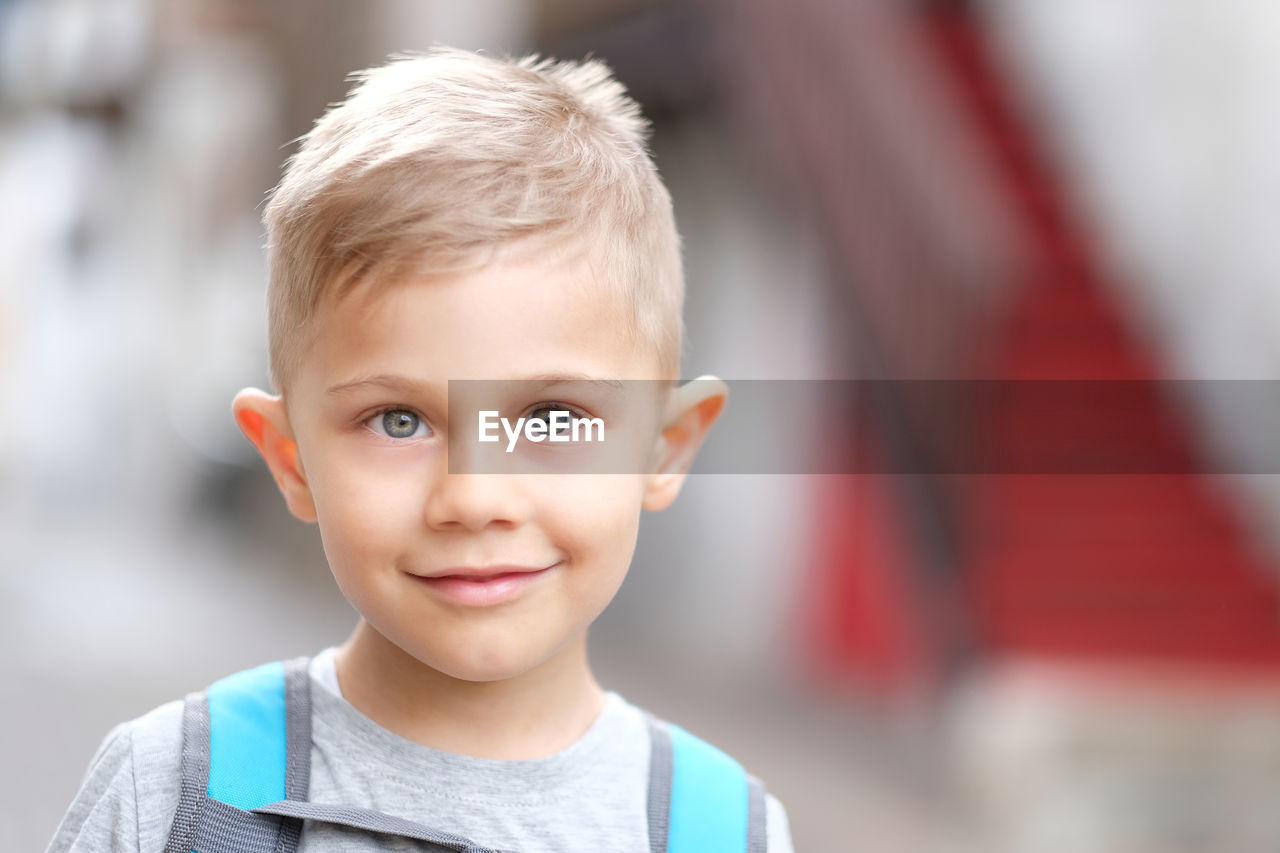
474 502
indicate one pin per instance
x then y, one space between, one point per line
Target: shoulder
129 792
156 736
712 759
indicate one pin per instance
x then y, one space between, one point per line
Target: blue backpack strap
246 743
700 799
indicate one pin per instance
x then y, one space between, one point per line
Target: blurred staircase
1090 565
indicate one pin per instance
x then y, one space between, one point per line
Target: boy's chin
480 665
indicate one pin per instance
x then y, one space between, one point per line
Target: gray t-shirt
590 796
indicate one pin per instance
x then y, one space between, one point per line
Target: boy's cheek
373 473
595 514
608 500
356 514
606 492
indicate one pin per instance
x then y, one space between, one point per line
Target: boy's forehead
524 315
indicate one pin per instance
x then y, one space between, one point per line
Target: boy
458 217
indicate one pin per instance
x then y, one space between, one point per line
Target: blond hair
436 159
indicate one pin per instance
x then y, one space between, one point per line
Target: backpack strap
246 766
246 742
700 799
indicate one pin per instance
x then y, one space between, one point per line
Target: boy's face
368 411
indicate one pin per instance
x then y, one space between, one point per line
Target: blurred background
883 189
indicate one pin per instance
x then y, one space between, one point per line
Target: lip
484 572
481 586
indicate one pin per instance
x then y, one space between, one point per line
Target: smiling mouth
481 574
483 586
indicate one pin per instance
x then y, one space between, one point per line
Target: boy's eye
543 413
399 423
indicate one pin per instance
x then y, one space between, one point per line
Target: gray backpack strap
722 773
757 840
195 773
660 755
223 828
372 821
209 825
297 780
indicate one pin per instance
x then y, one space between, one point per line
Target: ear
265 422
691 410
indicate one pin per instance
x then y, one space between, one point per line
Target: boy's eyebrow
400 383
386 380
557 378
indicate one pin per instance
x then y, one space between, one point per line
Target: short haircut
436 160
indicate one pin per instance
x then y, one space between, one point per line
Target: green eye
400 423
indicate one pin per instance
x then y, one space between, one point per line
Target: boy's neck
532 715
